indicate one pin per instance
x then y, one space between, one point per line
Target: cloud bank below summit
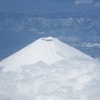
75 79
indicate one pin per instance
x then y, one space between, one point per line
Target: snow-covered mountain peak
66 74
47 39
47 50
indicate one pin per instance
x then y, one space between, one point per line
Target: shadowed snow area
58 72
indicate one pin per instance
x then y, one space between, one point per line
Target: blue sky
43 4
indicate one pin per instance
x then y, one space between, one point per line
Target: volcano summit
47 50
49 69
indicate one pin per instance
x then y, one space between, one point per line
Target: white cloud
64 80
97 4
91 45
83 2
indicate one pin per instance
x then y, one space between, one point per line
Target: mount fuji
49 69
48 50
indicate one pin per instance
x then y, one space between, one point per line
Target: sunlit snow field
70 75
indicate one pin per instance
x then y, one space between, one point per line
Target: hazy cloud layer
97 4
83 2
38 5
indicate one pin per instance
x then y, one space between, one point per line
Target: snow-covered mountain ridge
26 21
49 69
48 50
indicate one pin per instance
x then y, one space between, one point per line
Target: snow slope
48 50
48 69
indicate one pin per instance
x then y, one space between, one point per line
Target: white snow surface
48 50
71 75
